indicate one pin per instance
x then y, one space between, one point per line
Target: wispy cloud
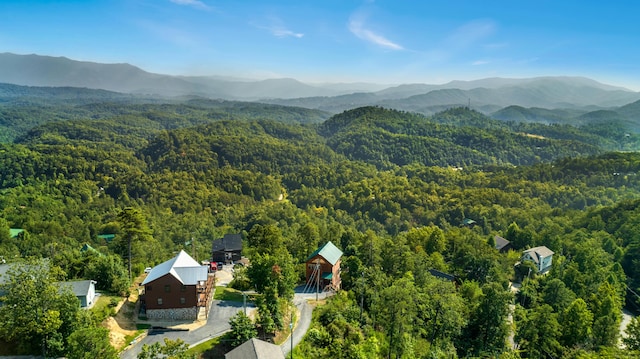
278 29
193 3
283 32
358 27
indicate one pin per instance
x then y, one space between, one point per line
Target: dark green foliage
365 179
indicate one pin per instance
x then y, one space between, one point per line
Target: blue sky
394 41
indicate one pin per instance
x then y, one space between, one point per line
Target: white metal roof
182 267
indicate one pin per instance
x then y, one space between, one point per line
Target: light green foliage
576 322
90 343
172 349
388 187
35 314
242 329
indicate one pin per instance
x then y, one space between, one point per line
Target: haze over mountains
575 95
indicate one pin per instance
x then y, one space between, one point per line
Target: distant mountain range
574 95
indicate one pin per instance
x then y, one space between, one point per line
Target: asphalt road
217 324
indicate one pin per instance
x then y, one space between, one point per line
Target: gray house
84 290
255 349
541 256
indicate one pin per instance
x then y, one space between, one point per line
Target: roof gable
14 232
230 242
540 252
255 349
182 267
78 287
329 252
500 242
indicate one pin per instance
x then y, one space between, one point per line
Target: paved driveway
217 324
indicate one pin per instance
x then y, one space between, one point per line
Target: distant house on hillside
255 349
468 222
179 288
541 256
15 232
84 290
227 249
502 244
442 275
323 267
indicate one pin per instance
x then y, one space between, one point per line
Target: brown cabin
323 267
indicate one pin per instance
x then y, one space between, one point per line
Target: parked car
147 270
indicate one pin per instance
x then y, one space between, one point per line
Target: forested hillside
391 189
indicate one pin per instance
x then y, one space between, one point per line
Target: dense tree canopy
404 196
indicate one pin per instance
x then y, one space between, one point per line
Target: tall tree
576 324
134 228
607 308
487 330
538 333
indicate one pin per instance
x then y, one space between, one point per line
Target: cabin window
149 288
159 301
183 288
167 288
183 300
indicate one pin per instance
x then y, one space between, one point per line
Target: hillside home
177 289
255 349
501 244
323 267
84 290
227 249
541 256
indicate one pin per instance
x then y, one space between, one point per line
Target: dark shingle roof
500 242
442 275
255 349
230 242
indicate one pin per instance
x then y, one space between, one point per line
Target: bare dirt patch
123 324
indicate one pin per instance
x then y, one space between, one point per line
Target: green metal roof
14 232
329 252
107 237
327 276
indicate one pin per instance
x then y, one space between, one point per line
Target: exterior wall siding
172 298
173 314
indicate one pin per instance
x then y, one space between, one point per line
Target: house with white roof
541 256
178 289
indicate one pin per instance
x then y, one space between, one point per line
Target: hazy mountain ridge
485 94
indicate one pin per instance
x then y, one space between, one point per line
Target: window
183 300
149 288
167 288
183 288
159 301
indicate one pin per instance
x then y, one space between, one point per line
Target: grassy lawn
234 295
211 349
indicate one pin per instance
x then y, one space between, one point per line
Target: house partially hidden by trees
541 256
177 289
323 267
255 349
501 244
84 290
227 249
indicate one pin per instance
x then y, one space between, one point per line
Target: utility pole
291 328
318 278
